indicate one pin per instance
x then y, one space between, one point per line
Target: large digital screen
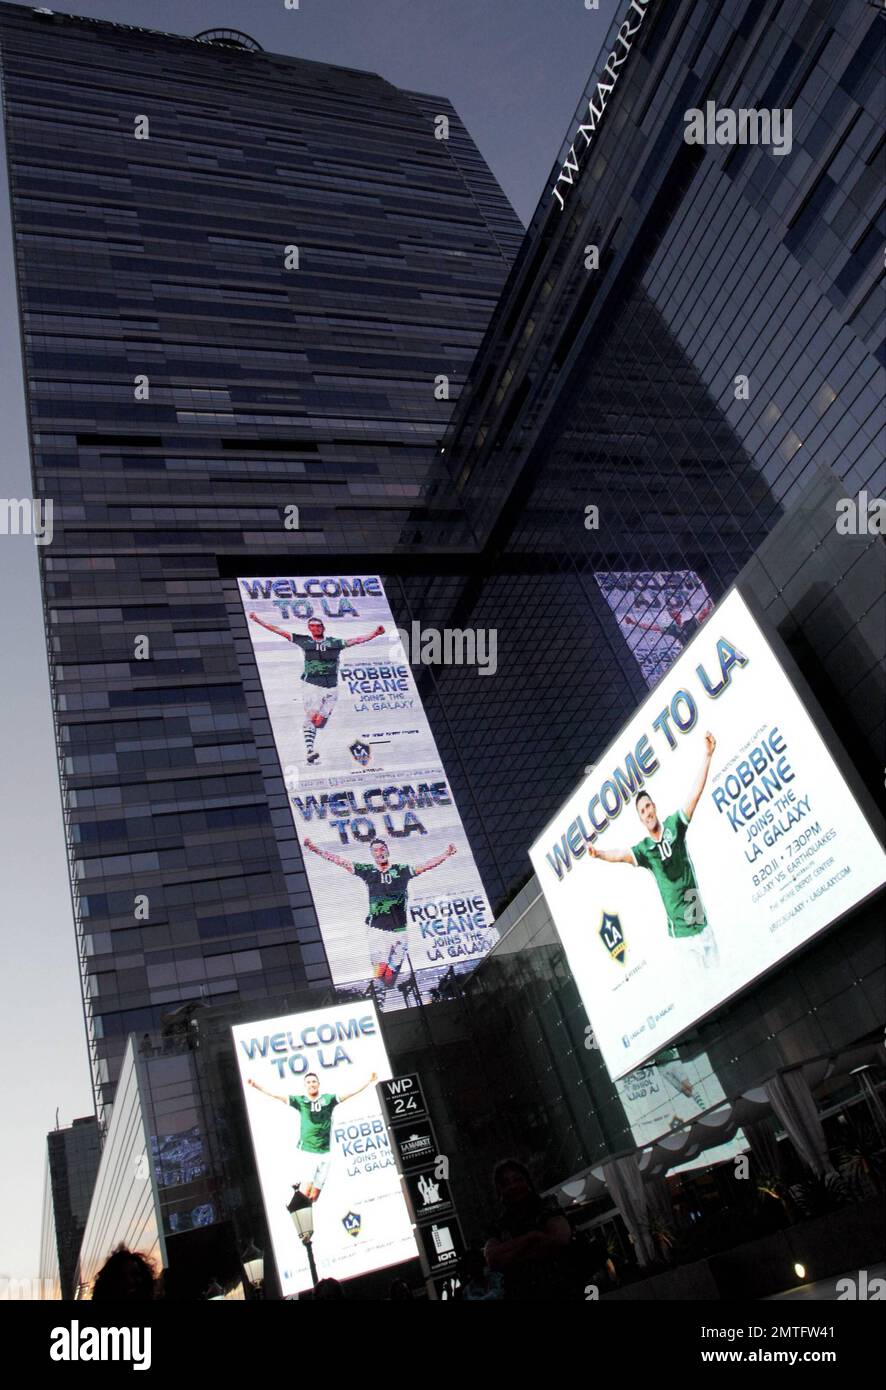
321 1145
398 895
715 836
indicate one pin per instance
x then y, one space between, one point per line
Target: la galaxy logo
613 937
360 752
352 1223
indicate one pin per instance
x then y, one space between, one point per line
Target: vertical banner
398 895
321 1145
426 1184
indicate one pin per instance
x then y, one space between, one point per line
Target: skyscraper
72 1159
250 287
689 335
698 401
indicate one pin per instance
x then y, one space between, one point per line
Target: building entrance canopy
719 1124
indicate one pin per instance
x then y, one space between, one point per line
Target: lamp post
253 1263
303 1221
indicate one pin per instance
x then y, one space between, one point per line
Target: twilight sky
514 70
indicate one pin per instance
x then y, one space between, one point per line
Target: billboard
658 612
321 1142
398 895
716 835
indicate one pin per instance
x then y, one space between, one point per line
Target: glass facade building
678 388
72 1159
241 279
124 1208
688 381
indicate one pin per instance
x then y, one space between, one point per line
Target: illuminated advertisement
669 1093
658 612
321 1144
715 836
398 895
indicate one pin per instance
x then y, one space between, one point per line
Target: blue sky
515 70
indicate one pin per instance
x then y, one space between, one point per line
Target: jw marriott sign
597 105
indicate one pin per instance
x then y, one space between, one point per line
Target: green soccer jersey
316 1121
387 894
668 860
321 658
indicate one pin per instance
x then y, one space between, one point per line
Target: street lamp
253 1263
303 1221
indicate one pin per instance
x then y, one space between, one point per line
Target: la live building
316 386
165 258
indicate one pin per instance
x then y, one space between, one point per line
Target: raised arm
368 637
613 856
350 1095
710 744
273 1094
327 854
432 863
647 627
280 631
